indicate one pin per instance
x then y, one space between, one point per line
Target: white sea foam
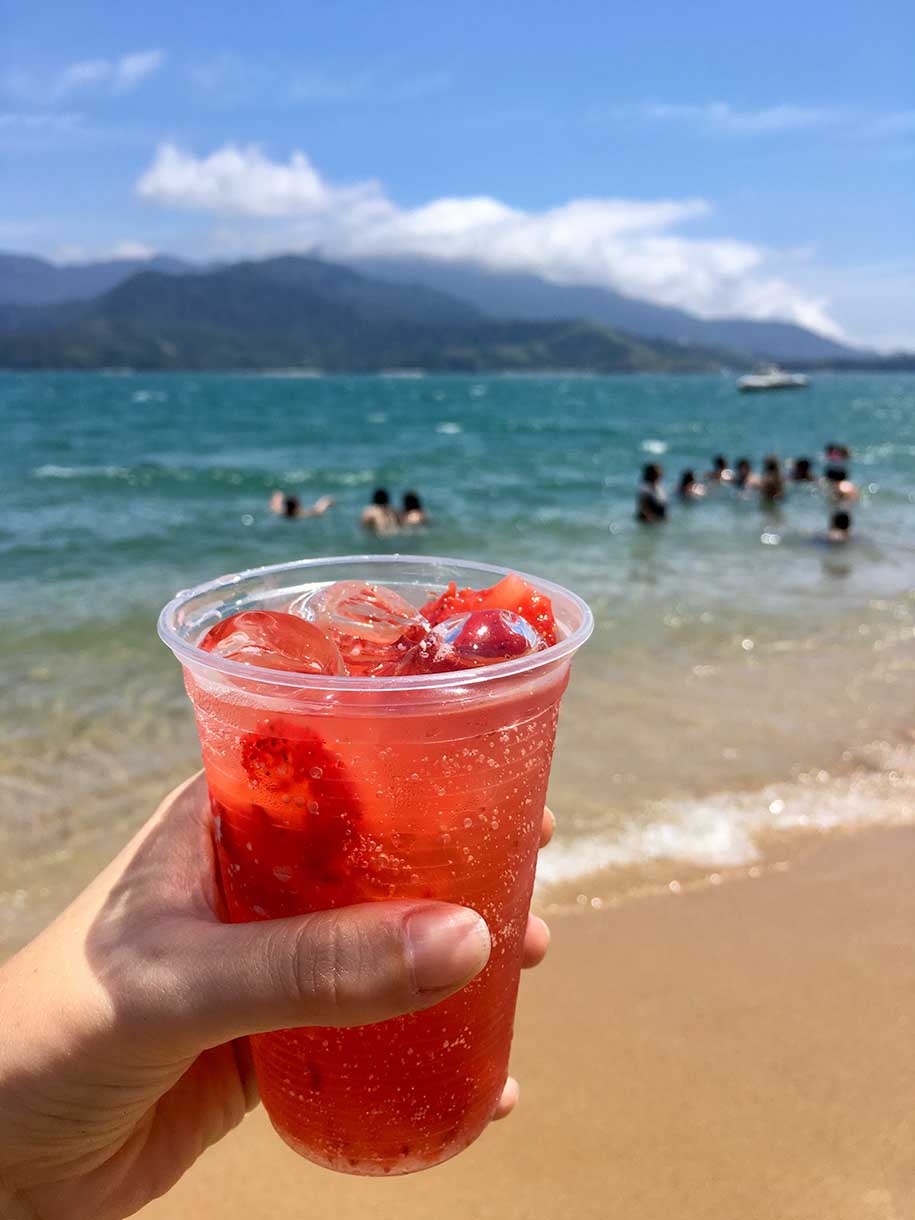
353 478
733 829
448 428
51 471
653 446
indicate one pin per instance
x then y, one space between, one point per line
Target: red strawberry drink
372 729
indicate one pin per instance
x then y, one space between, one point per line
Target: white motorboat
771 377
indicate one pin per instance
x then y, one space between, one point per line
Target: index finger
547 826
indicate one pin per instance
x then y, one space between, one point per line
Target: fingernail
446 945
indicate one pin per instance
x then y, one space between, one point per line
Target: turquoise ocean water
744 682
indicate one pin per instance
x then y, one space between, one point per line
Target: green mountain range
304 312
526 297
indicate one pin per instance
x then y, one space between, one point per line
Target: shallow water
743 682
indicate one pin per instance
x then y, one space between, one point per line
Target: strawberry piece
440 607
510 593
318 798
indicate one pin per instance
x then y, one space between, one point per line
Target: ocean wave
50 471
349 478
733 829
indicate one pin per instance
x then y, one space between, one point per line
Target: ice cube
373 626
468 641
274 640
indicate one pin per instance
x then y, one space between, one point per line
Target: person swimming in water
291 506
688 488
380 516
835 458
839 528
412 513
802 471
839 487
651 502
744 477
720 472
772 483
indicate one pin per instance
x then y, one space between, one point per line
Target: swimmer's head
411 502
771 464
687 479
652 472
837 474
802 468
381 497
840 521
743 466
719 462
291 505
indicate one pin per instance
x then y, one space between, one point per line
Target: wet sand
743 1051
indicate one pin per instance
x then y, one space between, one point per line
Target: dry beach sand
744 1051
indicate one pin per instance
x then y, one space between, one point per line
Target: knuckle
342 969
325 957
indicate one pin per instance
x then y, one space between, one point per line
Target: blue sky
725 158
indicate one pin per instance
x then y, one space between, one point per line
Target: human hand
123 1052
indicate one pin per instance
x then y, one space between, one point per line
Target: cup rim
191 654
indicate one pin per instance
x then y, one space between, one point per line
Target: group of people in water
769 485
380 517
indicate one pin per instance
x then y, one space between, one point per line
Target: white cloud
131 70
722 118
632 246
73 252
78 75
243 182
899 123
117 76
876 300
320 85
31 131
131 249
16 121
228 79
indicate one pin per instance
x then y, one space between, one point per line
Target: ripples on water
734 658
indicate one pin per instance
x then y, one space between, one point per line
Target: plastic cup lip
190 654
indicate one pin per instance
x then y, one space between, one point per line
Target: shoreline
664 845
741 1049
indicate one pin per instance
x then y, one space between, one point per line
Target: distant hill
295 312
25 280
512 295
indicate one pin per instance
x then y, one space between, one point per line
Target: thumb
350 966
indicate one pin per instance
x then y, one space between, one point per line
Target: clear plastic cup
328 791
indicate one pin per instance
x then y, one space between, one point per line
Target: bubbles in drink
373 627
319 807
274 640
468 641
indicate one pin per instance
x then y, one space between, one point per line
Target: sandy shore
728 1053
